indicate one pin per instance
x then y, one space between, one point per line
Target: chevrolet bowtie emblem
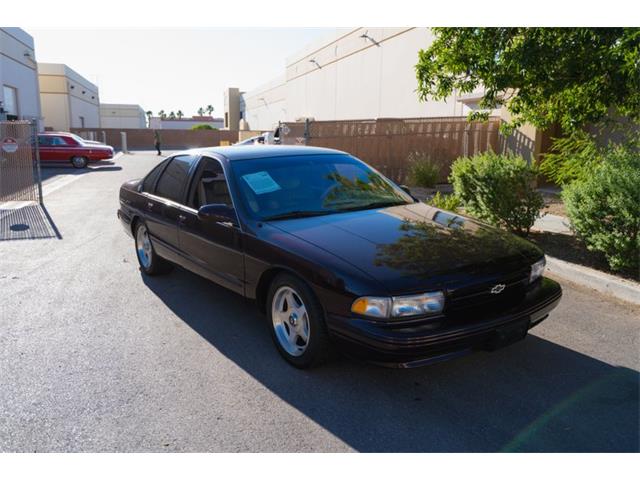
498 288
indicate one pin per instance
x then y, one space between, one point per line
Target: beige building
68 99
233 105
19 99
354 73
122 115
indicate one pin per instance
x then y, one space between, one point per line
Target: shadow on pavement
50 171
27 223
533 396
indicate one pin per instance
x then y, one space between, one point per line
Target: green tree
179 114
172 115
201 111
162 114
572 76
209 109
149 114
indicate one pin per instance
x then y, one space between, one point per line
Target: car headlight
378 307
395 307
537 269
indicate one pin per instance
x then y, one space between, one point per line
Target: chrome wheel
290 321
79 162
143 246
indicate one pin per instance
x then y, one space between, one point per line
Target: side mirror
218 212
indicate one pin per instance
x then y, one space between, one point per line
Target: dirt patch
572 249
553 204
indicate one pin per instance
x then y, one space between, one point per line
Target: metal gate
20 179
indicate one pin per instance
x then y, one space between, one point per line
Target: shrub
604 208
422 171
203 126
445 202
498 189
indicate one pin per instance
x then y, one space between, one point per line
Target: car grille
479 300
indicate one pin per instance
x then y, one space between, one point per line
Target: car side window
58 142
44 141
174 178
209 185
149 182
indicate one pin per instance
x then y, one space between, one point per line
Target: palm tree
209 109
149 114
201 111
162 114
172 115
179 114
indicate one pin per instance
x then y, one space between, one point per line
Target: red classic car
67 147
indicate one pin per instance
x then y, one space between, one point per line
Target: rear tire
79 162
150 262
296 322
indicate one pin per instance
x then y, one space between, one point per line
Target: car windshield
78 139
309 185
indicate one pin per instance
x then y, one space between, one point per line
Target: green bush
445 202
498 189
604 208
203 126
422 171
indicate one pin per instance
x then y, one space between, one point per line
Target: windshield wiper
371 205
299 214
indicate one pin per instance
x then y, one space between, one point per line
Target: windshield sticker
261 182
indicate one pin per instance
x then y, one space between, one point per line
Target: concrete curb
622 289
117 156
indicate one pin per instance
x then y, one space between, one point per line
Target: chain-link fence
19 163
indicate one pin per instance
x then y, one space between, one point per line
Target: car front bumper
417 345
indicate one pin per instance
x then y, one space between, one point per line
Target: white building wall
82 109
18 69
266 105
347 77
116 115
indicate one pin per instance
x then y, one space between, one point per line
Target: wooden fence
387 144
143 138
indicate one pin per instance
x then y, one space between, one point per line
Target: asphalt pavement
96 357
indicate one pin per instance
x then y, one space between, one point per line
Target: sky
173 69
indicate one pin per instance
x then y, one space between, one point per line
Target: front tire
150 262
297 323
79 162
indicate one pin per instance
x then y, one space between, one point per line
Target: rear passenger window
174 178
150 180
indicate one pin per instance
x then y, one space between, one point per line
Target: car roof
54 133
246 152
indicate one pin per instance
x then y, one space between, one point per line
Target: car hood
414 247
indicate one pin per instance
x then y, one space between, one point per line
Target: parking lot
95 357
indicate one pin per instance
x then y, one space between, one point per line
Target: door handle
149 204
182 218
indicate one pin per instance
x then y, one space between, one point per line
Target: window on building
81 122
10 104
